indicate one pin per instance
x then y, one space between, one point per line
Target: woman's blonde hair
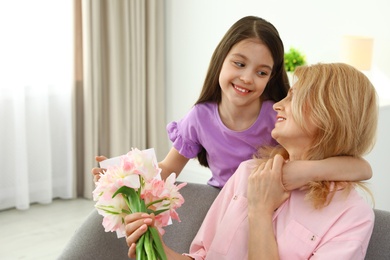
342 103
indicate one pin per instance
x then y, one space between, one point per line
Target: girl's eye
239 64
262 73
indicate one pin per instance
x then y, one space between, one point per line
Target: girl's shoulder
205 110
198 116
206 106
267 105
266 117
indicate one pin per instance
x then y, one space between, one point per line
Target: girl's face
245 73
288 133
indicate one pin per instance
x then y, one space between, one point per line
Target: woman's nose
277 106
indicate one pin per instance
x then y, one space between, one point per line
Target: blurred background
83 78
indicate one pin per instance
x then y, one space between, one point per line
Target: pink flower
135 185
113 211
142 163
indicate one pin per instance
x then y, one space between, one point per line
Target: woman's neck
296 153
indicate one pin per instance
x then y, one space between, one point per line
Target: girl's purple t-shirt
226 149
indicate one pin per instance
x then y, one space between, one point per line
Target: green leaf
154 202
129 193
157 243
144 256
126 211
156 212
108 209
124 190
139 249
148 245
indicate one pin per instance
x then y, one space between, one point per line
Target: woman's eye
290 95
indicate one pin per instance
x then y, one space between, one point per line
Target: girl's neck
238 118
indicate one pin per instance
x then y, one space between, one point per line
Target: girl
233 116
330 111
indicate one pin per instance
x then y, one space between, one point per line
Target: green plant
293 58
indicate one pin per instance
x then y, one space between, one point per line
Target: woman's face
245 73
290 134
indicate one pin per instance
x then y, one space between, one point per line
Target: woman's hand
265 190
136 225
96 171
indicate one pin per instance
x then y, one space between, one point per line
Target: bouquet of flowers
135 185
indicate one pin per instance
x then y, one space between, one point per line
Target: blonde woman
330 111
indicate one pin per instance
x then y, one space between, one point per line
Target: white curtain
122 81
36 136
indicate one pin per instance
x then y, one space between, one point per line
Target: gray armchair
91 242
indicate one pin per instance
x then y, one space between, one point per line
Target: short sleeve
184 138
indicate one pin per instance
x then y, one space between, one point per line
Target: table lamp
357 51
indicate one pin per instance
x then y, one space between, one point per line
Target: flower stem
140 249
158 243
148 245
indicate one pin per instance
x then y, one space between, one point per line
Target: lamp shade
357 51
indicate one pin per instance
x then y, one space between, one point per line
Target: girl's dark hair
246 28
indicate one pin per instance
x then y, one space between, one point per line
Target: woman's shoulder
249 164
359 203
246 167
239 180
344 206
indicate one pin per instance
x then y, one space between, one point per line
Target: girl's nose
246 77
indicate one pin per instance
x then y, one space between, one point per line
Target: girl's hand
265 191
295 175
96 171
136 225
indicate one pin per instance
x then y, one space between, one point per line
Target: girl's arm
297 174
173 162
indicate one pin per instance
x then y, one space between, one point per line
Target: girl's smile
245 73
240 89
